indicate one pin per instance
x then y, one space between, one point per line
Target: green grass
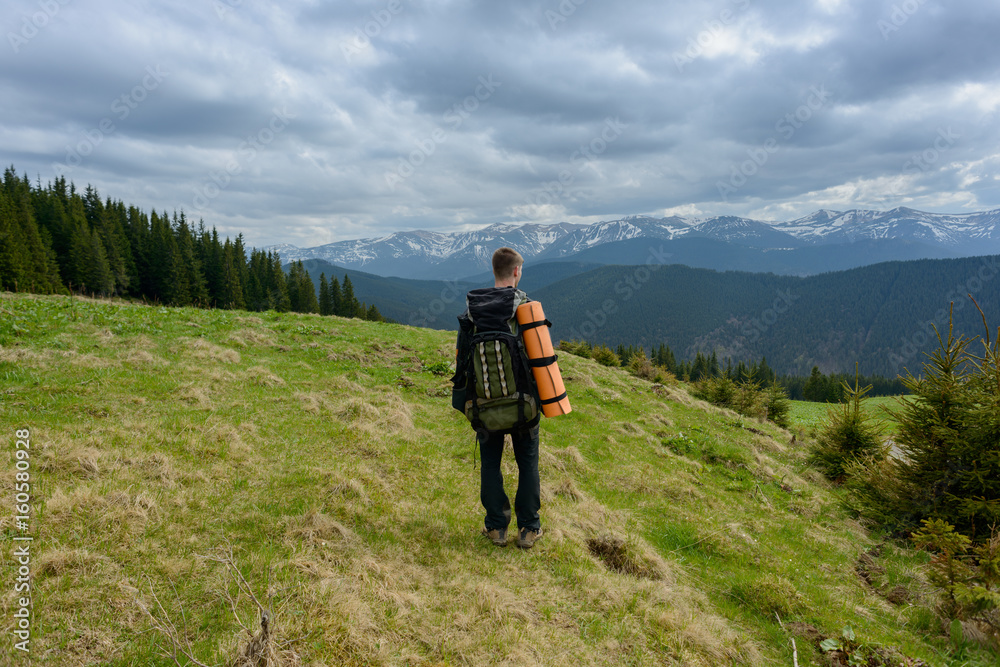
320 458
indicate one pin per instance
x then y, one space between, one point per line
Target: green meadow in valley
809 416
192 467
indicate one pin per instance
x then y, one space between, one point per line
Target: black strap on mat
544 361
554 399
536 323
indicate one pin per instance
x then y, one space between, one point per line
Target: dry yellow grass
199 348
262 376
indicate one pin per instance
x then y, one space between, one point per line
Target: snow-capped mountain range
422 254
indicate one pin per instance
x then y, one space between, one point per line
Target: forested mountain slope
880 316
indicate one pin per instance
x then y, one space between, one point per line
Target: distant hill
879 316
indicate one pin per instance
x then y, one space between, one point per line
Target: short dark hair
504 261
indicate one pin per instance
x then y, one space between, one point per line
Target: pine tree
232 289
336 297
99 279
301 291
665 357
118 222
10 249
51 208
307 292
27 262
778 405
166 283
79 244
255 299
241 266
137 230
325 302
293 282
89 270
189 269
277 286
349 305
850 435
815 389
700 368
948 435
260 286
113 239
14 273
211 253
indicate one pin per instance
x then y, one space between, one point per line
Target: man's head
507 264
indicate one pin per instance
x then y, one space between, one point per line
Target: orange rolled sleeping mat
534 330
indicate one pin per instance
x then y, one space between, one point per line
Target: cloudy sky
308 122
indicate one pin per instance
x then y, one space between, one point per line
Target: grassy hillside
190 464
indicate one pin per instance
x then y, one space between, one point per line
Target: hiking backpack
493 386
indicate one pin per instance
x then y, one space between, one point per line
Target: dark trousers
529 493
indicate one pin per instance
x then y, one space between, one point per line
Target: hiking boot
498 536
527 538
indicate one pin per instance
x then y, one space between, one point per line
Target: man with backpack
494 388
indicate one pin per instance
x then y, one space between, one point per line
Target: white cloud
685 211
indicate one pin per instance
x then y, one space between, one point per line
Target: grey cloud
563 69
